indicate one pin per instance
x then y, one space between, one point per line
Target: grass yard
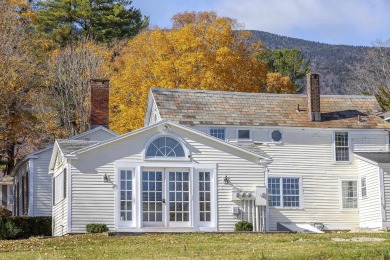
205 246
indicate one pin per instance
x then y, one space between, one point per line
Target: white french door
166 197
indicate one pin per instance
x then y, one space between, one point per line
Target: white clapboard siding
42 189
309 154
19 200
243 175
93 200
60 217
369 206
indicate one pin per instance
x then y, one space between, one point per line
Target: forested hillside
330 61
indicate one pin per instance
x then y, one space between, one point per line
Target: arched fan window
165 147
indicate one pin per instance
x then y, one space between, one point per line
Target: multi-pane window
244 134
152 196
284 191
204 196
274 192
218 133
126 195
341 145
179 196
363 185
165 147
349 194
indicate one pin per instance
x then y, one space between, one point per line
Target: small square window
218 133
244 134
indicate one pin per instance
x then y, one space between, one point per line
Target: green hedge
96 228
24 227
243 226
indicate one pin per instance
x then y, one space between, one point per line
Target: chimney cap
98 80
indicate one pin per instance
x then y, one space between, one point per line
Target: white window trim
281 195
60 172
349 146
218 128
118 222
341 195
244 139
187 154
272 140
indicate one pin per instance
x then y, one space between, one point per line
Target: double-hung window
218 133
284 192
341 146
349 197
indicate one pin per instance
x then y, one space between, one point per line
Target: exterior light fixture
105 178
226 180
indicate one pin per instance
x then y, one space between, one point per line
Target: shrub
243 226
25 227
5 213
96 228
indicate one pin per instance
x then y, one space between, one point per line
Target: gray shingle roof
383 157
68 146
197 107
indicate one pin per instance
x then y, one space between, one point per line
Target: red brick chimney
313 96
99 106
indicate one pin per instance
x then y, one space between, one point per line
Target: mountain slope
330 61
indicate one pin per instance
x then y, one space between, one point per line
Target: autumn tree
103 20
19 74
201 51
288 63
372 75
69 72
276 83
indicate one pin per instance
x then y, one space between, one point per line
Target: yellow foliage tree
201 51
19 74
276 83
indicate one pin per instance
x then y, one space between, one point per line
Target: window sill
342 163
286 208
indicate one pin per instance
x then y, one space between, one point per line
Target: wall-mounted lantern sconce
226 180
105 178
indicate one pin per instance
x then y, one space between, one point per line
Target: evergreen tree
102 20
289 63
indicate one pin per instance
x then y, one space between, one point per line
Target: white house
205 160
32 183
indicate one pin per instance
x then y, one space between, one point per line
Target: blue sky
352 22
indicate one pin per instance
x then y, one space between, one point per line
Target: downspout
69 194
382 197
266 228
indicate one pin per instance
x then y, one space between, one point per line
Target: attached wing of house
31 193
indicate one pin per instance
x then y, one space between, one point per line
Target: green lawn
205 246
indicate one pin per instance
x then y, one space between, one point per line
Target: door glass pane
179 196
126 190
152 196
204 196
